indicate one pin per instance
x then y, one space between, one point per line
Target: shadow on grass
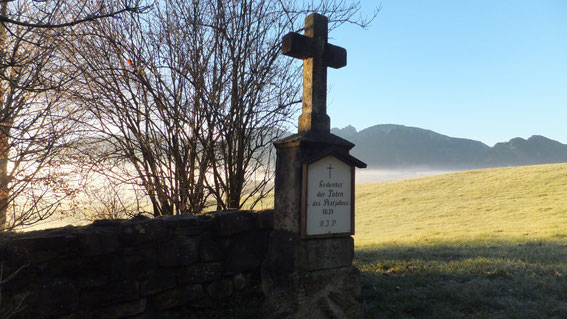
465 280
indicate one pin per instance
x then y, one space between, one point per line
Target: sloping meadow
476 244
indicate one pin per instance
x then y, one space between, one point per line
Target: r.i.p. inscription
328 198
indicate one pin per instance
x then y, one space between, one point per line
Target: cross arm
297 45
335 57
301 47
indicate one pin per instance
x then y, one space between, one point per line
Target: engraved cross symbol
317 55
330 168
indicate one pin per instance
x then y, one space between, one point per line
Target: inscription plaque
328 198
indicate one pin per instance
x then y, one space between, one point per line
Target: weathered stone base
331 293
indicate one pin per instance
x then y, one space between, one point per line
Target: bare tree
36 125
258 86
31 133
192 95
143 110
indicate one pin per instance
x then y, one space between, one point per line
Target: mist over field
368 175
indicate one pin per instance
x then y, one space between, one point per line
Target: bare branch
89 18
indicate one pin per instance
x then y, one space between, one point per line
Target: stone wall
170 267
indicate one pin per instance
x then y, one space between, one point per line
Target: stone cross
317 55
308 270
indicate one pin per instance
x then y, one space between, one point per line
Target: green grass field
476 244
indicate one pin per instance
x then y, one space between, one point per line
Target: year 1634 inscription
328 200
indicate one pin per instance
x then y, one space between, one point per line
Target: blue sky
489 70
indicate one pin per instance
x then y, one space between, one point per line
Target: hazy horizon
371 175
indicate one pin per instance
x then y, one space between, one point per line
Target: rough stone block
134 265
56 298
184 251
93 282
289 253
108 223
239 281
247 252
41 247
96 243
40 241
38 257
78 267
145 231
328 253
233 222
281 253
199 273
178 297
112 294
186 223
157 282
322 294
123 310
7 251
220 289
265 219
211 250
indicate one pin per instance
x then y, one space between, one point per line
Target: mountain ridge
399 146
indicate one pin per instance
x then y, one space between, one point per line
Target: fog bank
380 175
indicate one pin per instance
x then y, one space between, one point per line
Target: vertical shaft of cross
317 55
314 111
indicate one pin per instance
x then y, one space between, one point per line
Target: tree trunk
4 141
4 180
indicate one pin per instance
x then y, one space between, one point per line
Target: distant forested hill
398 146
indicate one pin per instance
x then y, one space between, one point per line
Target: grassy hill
477 244
503 203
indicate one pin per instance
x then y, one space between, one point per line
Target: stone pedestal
330 293
306 278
